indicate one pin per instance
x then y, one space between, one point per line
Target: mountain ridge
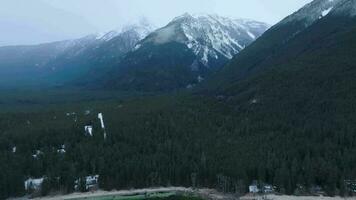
217 32
59 62
182 53
271 46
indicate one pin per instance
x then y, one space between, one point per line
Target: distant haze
38 21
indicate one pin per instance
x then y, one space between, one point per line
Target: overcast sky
38 21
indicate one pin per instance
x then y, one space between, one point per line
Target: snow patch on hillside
318 9
327 11
312 11
142 29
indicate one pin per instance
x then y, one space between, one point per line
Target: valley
248 110
176 139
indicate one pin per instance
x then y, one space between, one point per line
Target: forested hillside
177 140
282 112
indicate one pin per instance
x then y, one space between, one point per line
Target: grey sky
37 21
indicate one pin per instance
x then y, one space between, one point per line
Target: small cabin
91 183
253 189
33 184
268 189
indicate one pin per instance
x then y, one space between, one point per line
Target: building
253 189
267 189
91 183
33 184
350 185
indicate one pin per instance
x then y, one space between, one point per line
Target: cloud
34 21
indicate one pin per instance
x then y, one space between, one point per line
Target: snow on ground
251 35
209 194
284 197
101 193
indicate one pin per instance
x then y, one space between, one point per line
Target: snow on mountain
91 48
106 36
318 9
130 34
209 36
77 45
141 29
346 7
326 12
312 12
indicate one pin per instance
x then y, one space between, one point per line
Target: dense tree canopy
178 140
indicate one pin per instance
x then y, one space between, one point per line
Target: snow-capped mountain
137 56
184 52
71 59
209 36
117 41
316 42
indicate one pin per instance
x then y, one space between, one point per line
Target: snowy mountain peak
209 36
141 29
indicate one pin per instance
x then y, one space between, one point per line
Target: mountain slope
209 36
59 62
298 81
293 90
184 52
282 113
298 35
106 51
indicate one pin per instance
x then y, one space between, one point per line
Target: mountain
310 36
299 74
183 53
292 93
208 36
280 114
296 85
65 61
